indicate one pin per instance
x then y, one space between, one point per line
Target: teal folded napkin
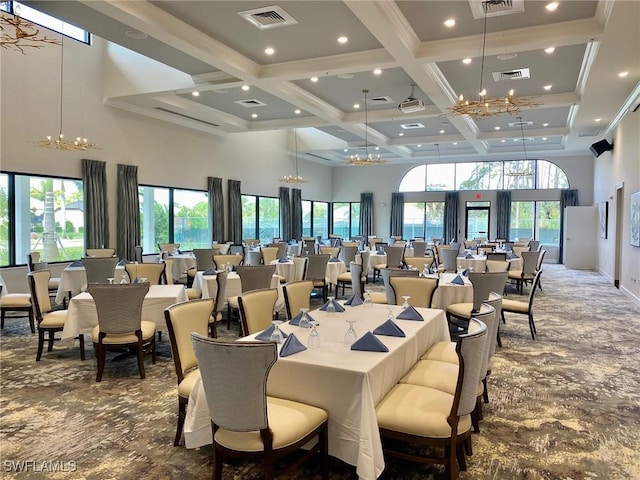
122 262
210 271
409 313
457 280
468 256
291 345
283 260
369 343
265 335
334 259
296 320
465 272
354 301
390 329
77 263
339 308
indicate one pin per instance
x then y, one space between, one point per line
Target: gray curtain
96 212
366 214
285 214
128 211
296 214
503 212
451 208
216 209
234 205
397 213
568 198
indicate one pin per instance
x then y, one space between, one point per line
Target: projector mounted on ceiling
411 104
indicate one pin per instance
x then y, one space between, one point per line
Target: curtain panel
234 204
451 209
285 214
397 213
216 209
366 214
568 198
503 212
96 212
296 214
128 211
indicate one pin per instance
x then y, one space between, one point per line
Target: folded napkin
122 262
390 329
511 256
380 251
136 280
291 345
465 272
339 308
468 256
334 259
77 263
354 300
233 268
265 335
296 320
409 313
210 271
283 259
369 343
457 280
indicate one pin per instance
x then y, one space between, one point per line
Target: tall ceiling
313 80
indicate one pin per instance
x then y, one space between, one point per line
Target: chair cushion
148 331
515 274
289 421
187 383
515 306
345 277
461 310
53 319
15 300
380 266
378 297
418 411
192 293
54 283
435 374
320 283
443 352
233 302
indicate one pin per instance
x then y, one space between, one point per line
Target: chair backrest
529 262
387 273
484 250
119 306
394 256
440 249
153 272
39 288
317 267
300 268
470 244
364 260
168 247
221 290
487 315
221 248
137 254
333 251
418 262
470 349
357 285
256 309
420 289
98 269
348 254
541 254
484 284
168 270
204 258
251 242
534 245
455 246
234 249
236 394
269 254
282 248
419 249
495 300
182 319
519 249
219 261
101 252
499 256
297 295
33 258
534 286
448 259
255 277
494 266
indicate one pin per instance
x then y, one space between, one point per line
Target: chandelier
18 34
294 178
368 159
60 142
486 106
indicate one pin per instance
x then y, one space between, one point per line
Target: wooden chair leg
81 342
50 339
498 338
182 413
40 345
462 461
485 392
217 464
2 319
153 351
32 324
141 361
101 357
324 451
467 446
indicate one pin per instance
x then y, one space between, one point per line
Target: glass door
477 220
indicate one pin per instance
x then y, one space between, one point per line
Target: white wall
610 169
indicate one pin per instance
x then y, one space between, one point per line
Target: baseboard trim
626 292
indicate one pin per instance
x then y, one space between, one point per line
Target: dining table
73 280
181 263
478 263
82 315
449 293
347 383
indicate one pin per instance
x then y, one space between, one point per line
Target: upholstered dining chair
120 324
394 260
297 295
534 245
528 271
137 254
34 264
449 260
420 289
232 259
168 247
389 296
245 421
317 271
347 278
419 249
155 273
221 299
16 302
493 266
256 310
182 319
523 308
427 416
300 264
252 277
204 258
348 254
497 256
269 254
331 251
49 322
99 269
418 263
439 249
101 252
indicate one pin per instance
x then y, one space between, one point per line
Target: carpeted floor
566 406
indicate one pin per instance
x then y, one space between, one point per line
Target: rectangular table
206 285
82 316
348 384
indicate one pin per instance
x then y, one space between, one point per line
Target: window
346 219
441 177
154 217
306 218
518 175
320 219
423 219
4 219
191 219
414 180
260 218
479 176
549 175
522 215
536 220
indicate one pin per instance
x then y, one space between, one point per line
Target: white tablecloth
181 263
82 315
74 280
288 270
448 293
206 285
348 384
479 263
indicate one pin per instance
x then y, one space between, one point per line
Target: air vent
520 124
589 133
268 17
514 74
495 8
188 117
411 126
251 103
378 100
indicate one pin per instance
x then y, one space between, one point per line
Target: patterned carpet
566 406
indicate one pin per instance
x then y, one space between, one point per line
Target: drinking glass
110 280
143 279
367 299
350 335
276 335
426 271
304 321
390 314
331 309
406 301
123 279
314 336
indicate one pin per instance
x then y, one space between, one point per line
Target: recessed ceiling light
135 34
195 94
450 22
550 50
245 88
377 148
441 131
269 51
377 71
544 138
502 141
401 134
346 149
254 115
547 87
342 40
297 111
466 61
552 6
507 56
314 79
346 76
356 105
455 143
496 128
419 145
623 74
597 119
545 124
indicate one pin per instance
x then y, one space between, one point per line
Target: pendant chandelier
486 106
17 33
294 178
368 159
526 171
60 142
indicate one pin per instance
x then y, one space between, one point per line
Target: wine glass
304 321
110 280
350 335
123 279
367 299
331 308
143 279
406 301
276 335
314 336
390 313
426 271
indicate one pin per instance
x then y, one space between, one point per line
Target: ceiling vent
589 133
520 124
495 8
188 117
250 103
378 100
411 126
514 74
268 17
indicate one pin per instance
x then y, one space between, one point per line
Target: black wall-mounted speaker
600 147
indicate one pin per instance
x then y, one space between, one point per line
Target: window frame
350 227
257 198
